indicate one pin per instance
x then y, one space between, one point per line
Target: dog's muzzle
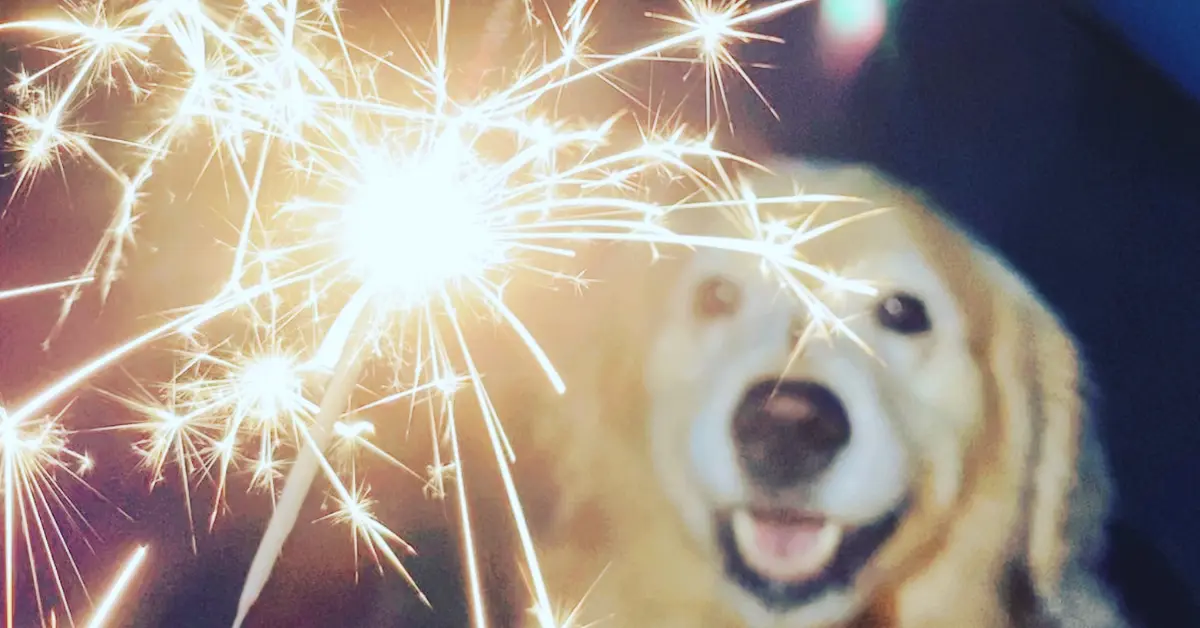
788 432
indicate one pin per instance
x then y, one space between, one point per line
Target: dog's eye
903 314
717 297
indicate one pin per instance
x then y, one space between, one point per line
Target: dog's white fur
979 423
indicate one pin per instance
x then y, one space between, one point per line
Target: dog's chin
788 558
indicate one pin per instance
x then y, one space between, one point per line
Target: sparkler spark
399 215
13 293
113 597
33 454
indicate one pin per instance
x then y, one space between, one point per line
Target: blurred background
1066 133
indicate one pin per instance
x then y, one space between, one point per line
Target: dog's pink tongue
786 541
785 549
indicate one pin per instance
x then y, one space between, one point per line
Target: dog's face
796 459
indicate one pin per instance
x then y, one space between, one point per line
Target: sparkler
400 214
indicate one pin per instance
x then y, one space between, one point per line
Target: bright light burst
398 214
38 511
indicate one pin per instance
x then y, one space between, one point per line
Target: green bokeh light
845 18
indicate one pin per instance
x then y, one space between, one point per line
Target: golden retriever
932 468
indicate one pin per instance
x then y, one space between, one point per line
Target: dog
920 456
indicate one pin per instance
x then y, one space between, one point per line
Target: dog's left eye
904 314
717 297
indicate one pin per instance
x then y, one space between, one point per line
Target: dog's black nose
789 431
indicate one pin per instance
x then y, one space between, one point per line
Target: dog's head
932 438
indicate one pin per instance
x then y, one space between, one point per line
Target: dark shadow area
1154 596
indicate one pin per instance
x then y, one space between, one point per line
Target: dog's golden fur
1008 491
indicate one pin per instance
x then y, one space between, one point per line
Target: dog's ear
1047 362
1058 408
1067 488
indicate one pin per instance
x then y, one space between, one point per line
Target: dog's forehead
854 220
859 240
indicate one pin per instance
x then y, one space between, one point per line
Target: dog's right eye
717 297
904 314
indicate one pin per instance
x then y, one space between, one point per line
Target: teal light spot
845 18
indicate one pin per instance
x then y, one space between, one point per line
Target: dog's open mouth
787 558
784 546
